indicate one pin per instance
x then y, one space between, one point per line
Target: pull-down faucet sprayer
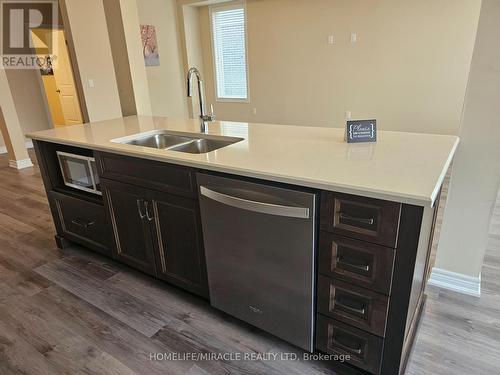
201 94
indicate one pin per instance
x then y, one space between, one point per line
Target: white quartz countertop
402 167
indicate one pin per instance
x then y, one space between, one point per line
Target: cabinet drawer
367 219
356 262
356 306
147 173
83 222
364 349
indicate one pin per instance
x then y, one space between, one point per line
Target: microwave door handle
261 207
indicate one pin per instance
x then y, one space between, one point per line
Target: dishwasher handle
261 207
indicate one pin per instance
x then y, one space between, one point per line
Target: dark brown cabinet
367 219
179 244
369 290
155 175
82 221
157 233
365 264
371 263
353 305
131 228
364 350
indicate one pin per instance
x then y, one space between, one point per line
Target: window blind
228 32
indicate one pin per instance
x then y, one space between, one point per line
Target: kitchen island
375 215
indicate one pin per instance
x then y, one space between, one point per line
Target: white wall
476 170
93 52
166 82
408 68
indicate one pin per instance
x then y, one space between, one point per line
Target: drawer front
83 222
357 262
367 219
353 305
364 349
147 173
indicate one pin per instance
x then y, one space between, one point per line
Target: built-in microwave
79 172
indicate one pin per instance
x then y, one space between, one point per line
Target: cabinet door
126 205
179 244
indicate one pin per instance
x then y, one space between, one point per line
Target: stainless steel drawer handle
82 223
338 344
140 202
261 207
349 308
358 219
364 268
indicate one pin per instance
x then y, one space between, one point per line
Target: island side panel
400 308
61 242
417 296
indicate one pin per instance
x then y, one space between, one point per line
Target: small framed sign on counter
361 131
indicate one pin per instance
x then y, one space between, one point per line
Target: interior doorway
58 78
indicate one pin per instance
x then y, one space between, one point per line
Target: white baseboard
20 164
456 281
28 144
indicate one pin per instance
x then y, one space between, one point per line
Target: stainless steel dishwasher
260 249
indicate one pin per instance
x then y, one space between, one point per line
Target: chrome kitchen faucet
201 93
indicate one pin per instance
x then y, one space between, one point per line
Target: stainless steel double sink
182 142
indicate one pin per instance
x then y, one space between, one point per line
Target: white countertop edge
438 186
425 201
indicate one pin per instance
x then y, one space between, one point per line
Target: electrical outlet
331 39
347 115
354 37
91 83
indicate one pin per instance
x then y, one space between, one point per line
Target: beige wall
93 52
10 126
26 87
26 90
131 28
126 47
120 57
194 53
408 68
476 170
166 83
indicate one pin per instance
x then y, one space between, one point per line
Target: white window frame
229 6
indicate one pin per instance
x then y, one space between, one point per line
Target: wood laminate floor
74 312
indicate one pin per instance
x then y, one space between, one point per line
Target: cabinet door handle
82 223
140 202
369 221
150 217
350 309
347 348
364 268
